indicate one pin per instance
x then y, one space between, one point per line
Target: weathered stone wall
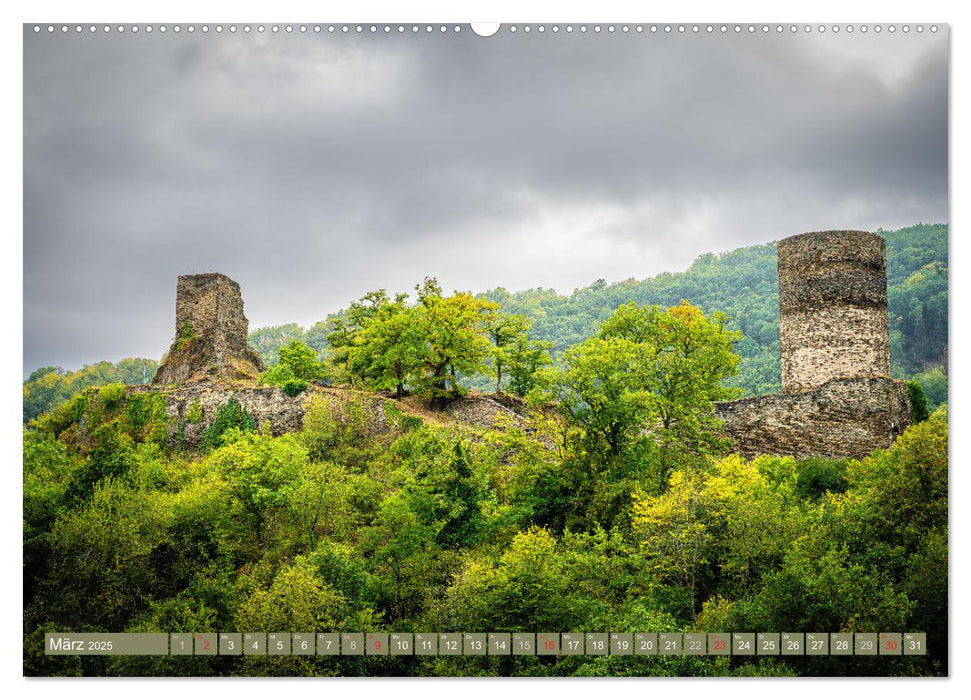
841 419
838 399
841 342
210 333
191 408
211 303
834 343
832 308
265 404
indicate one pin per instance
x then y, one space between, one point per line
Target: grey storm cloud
312 168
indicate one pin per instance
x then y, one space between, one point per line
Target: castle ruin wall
838 398
211 333
844 418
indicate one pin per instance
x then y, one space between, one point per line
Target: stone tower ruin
832 309
838 398
210 333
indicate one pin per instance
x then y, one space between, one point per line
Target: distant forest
741 283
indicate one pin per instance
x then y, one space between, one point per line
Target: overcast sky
314 168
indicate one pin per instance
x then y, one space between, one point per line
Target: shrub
230 415
918 402
194 413
277 375
186 334
111 396
293 387
302 361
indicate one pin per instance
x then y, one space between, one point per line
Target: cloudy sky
312 168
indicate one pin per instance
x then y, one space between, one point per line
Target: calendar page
438 350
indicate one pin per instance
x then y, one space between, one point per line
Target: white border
603 11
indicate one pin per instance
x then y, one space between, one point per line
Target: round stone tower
832 309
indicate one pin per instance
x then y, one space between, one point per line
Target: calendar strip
368 644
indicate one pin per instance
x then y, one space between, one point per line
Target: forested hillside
47 387
610 503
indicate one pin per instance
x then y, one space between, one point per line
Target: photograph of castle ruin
405 351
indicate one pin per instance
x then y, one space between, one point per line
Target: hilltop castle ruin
837 399
210 333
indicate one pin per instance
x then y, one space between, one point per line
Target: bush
230 415
293 387
194 413
818 475
918 402
302 361
277 375
284 376
111 396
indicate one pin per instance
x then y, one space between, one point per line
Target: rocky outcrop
210 334
486 412
191 408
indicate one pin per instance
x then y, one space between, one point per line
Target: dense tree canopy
438 528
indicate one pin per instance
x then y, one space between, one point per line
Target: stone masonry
832 308
210 334
838 400
843 418
210 363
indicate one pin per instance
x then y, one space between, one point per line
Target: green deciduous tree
301 359
296 599
389 347
649 374
506 331
528 587
526 358
400 542
265 473
455 339
675 530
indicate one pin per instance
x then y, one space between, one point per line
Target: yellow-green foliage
48 387
111 396
63 416
296 599
147 417
438 528
193 414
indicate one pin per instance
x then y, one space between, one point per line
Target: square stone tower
210 333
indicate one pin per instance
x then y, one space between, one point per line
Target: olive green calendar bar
106 644
408 644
